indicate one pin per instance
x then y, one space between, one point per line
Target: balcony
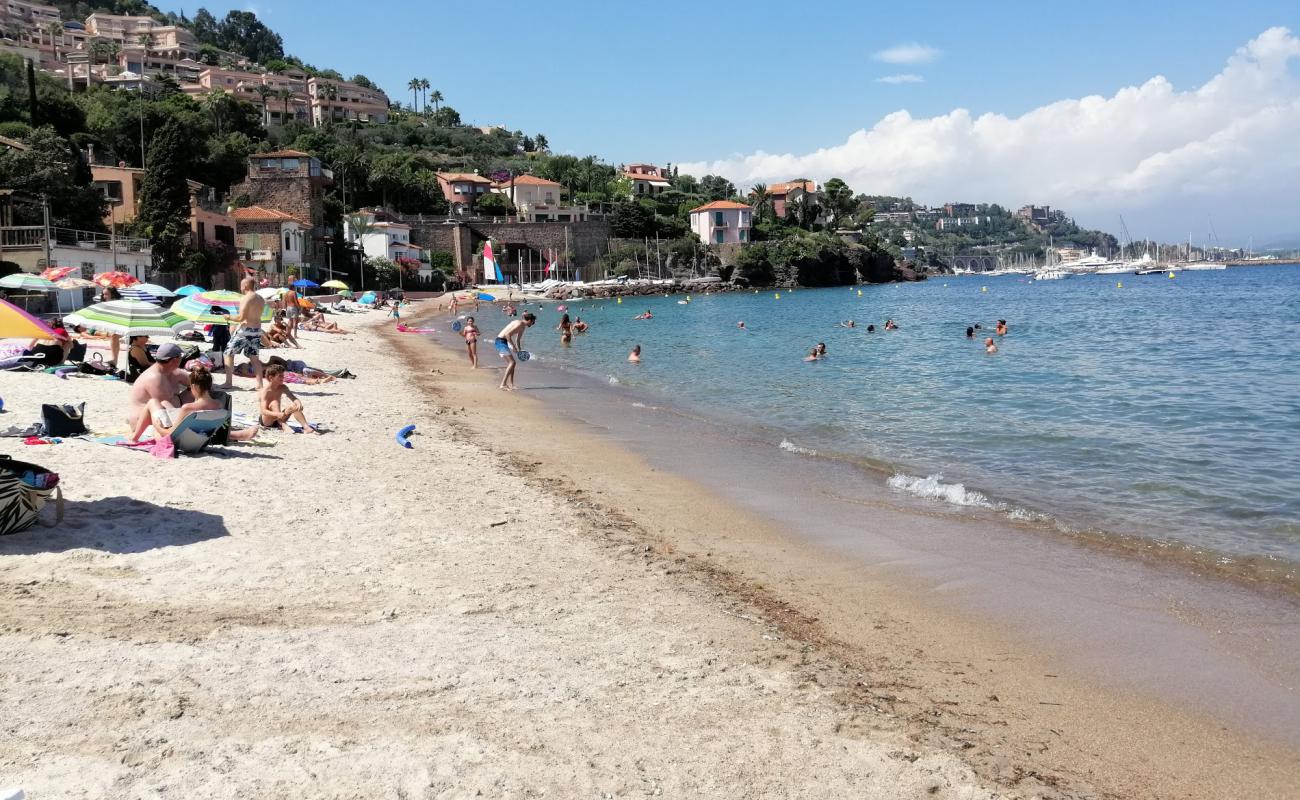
32 237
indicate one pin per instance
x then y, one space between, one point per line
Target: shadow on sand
115 525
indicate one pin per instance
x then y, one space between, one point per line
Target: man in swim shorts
247 340
509 342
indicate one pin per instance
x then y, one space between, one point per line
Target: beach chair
197 430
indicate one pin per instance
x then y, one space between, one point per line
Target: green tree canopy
164 215
50 168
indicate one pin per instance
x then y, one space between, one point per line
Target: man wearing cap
163 381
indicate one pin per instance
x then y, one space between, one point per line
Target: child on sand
277 405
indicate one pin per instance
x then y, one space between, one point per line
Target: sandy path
340 617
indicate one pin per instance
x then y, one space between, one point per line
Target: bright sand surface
511 608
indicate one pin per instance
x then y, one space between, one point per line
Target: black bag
95 366
63 420
21 503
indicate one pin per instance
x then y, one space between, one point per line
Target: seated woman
165 418
137 358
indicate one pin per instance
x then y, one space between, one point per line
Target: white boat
1089 263
1052 274
1198 266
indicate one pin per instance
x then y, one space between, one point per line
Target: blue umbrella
486 296
186 291
132 293
303 283
367 298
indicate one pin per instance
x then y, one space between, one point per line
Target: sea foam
791 447
932 487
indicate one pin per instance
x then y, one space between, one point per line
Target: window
744 219
718 235
717 219
550 198
289 164
744 235
269 163
288 240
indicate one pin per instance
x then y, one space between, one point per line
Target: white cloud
910 53
1224 153
904 78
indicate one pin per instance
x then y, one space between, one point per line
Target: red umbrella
115 279
56 274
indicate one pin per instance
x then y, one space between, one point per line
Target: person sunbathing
165 417
317 322
277 405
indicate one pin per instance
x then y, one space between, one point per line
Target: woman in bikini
566 330
470 332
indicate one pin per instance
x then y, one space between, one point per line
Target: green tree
51 169
759 200
716 187
446 117
493 204
839 200
164 215
632 220
204 27
242 32
414 85
436 97
424 90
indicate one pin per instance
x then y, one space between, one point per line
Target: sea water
1163 409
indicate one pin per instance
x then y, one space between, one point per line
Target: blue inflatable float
404 436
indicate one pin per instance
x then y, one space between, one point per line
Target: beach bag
95 366
63 420
21 502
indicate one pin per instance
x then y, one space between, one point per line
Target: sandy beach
511 608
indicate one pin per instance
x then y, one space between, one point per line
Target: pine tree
165 196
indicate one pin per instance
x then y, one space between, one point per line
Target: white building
539 200
722 222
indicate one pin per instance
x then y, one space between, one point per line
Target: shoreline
812 581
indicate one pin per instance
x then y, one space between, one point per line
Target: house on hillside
271 240
342 101
782 194
462 190
539 200
722 222
647 180
287 180
209 221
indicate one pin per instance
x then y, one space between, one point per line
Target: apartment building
343 101
647 179
539 200
722 222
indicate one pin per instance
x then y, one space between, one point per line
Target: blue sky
707 82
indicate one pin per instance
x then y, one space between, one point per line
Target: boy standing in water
509 342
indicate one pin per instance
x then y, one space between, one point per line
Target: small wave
933 488
791 447
639 404
613 381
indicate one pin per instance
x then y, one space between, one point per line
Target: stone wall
301 196
586 241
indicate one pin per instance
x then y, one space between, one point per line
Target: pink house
722 222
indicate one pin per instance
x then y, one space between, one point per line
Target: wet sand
1027 655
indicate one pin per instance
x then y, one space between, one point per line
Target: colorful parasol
57 274
189 289
18 324
115 279
136 293
303 283
154 289
129 318
208 308
27 282
75 283
334 284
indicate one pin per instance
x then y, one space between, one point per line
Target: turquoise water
1165 409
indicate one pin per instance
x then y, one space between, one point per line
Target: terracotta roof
784 188
282 154
641 176
529 180
464 177
260 214
722 205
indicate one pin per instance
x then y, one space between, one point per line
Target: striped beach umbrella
27 282
129 318
154 289
189 289
115 279
137 294
18 324
57 274
207 308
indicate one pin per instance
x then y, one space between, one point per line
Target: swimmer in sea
566 329
989 346
871 329
1002 327
890 326
821 349
579 326
635 356
812 355
741 325
970 332
848 323
646 315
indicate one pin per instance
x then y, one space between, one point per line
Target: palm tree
424 89
437 98
285 95
217 103
360 226
264 91
55 29
758 198
414 86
